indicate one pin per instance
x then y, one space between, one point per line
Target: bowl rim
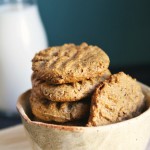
145 114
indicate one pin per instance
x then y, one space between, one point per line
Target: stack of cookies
72 84
63 80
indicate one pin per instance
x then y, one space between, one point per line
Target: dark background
120 27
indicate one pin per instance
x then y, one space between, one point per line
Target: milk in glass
21 36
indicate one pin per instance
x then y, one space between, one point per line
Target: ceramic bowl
132 134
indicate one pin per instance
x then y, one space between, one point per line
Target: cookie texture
47 110
115 100
68 92
69 63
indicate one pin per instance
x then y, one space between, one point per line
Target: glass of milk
21 36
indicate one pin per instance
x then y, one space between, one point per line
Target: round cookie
69 63
47 110
115 100
68 92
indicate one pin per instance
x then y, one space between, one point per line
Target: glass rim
18 1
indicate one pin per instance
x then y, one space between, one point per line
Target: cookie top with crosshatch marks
70 63
70 91
115 100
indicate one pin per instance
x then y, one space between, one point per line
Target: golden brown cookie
117 99
69 63
47 110
68 92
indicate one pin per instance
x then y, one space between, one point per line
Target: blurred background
121 28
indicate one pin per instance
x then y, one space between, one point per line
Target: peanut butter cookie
69 63
116 99
47 110
68 92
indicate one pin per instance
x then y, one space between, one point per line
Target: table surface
141 73
14 138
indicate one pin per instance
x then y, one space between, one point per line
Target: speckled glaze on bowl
132 134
